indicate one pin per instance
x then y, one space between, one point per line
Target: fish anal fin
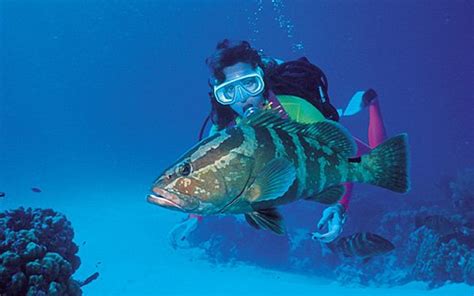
329 195
251 221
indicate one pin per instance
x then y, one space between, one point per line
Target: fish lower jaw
161 201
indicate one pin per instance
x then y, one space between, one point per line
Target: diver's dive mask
239 88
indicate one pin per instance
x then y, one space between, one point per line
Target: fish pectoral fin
266 219
273 181
329 195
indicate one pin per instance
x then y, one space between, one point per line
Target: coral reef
437 262
426 250
37 254
432 244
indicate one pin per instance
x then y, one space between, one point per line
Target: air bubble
284 23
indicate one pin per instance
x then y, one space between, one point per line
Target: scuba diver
243 80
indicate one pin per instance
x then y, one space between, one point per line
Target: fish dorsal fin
272 119
327 132
333 135
266 219
329 195
272 182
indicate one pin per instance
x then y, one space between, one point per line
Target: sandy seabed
127 243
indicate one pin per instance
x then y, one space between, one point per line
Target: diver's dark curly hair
229 53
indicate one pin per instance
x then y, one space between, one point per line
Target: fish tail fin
388 165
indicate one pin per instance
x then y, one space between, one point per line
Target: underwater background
98 97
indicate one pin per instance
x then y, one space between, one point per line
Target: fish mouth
164 198
161 201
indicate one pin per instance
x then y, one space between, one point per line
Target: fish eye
184 169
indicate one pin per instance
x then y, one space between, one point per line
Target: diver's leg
376 132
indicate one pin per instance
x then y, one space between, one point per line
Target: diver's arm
344 201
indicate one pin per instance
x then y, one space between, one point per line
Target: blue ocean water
98 97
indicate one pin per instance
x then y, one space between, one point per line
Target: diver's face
239 70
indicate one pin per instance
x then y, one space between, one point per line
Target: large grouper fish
266 161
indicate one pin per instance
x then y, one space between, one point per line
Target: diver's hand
178 236
335 217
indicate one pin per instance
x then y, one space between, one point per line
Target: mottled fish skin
218 175
317 166
363 245
210 183
223 164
